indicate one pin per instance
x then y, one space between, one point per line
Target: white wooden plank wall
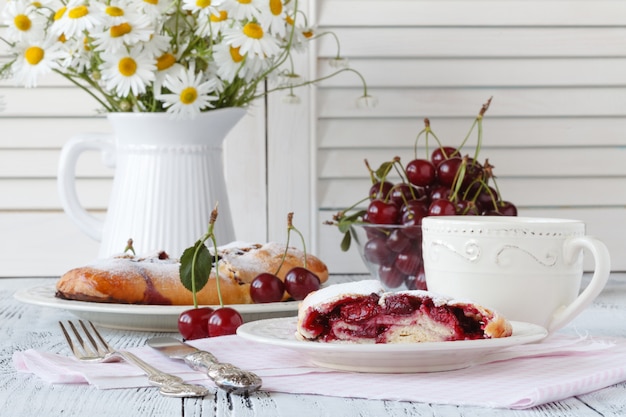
556 129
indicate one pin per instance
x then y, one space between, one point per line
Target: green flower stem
305 83
87 90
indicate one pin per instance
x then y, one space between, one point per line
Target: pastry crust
362 312
155 279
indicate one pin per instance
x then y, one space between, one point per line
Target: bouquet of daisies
180 56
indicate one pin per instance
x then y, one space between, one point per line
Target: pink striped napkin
520 377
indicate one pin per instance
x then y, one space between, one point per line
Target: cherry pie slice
362 312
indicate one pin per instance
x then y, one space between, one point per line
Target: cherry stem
401 171
129 247
458 179
426 131
208 235
370 170
290 227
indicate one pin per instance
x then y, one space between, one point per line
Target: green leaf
345 242
202 267
383 170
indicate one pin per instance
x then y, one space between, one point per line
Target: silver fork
98 350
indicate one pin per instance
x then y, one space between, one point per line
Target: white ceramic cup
528 269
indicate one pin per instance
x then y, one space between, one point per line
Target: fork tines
96 351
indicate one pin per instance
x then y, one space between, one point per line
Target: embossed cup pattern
528 269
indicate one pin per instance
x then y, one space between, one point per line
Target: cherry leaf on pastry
195 278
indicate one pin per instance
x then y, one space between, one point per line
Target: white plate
154 318
388 358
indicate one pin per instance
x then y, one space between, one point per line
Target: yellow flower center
289 20
34 55
253 30
245 1
62 38
78 12
203 3
59 13
165 61
223 16
114 11
127 66
152 2
308 33
235 55
22 22
86 46
120 30
276 7
188 95
36 4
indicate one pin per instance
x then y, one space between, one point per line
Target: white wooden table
24 326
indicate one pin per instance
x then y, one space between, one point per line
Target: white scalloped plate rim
140 317
394 358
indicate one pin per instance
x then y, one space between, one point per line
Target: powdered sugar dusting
332 293
125 265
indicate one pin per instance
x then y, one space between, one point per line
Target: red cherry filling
364 318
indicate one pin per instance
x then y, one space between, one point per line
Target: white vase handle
66 178
602 270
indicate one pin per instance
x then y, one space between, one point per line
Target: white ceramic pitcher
169 174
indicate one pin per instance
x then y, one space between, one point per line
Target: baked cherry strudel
361 312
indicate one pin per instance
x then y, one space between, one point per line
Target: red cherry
440 192
443 153
466 208
381 212
398 241
267 288
224 321
403 192
380 190
418 281
447 170
192 324
390 276
409 261
420 172
299 282
506 208
413 216
442 208
377 252
473 172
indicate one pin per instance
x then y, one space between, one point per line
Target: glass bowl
392 254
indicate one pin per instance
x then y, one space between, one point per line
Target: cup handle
600 276
66 178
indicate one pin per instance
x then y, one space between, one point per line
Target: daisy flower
189 93
135 29
157 44
213 25
230 63
125 72
273 17
166 64
242 9
23 20
77 55
35 58
202 8
156 8
75 18
117 12
252 38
